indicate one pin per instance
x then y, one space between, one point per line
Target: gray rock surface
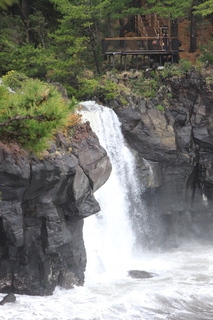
140 274
174 156
43 203
10 297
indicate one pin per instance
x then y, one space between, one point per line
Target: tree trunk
108 26
175 41
92 42
25 4
193 29
174 28
24 12
211 18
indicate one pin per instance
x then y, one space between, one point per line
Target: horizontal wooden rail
139 43
135 38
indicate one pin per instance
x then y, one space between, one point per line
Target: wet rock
43 203
8 298
140 274
177 144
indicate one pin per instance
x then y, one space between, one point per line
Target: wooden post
125 62
109 61
121 67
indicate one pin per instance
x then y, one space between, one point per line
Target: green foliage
207 53
71 44
146 86
33 114
199 65
59 40
23 57
171 70
169 95
14 80
5 3
205 8
105 88
185 65
160 107
108 89
87 88
176 70
169 8
123 101
30 60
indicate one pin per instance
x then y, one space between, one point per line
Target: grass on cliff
117 85
148 83
33 113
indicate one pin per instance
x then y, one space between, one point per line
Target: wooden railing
140 26
151 20
133 44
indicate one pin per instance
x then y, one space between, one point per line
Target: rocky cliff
43 203
173 137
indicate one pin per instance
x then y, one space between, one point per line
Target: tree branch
39 117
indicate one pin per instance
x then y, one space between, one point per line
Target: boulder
8 298
140 274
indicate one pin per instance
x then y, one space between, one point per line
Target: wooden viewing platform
141 50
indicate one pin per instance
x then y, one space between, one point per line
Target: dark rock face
175 155
43 203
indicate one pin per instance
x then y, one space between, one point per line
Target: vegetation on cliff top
31 115
33 111
60 41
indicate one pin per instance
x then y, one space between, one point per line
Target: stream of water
182 288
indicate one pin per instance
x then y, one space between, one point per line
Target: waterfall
182 287
109 236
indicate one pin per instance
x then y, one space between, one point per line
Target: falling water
113 235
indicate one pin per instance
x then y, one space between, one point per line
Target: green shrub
185 65
14 79
160 107
145 87
207 53
87 88
199 65
171 70
123 100
105 88
108 89
33 114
